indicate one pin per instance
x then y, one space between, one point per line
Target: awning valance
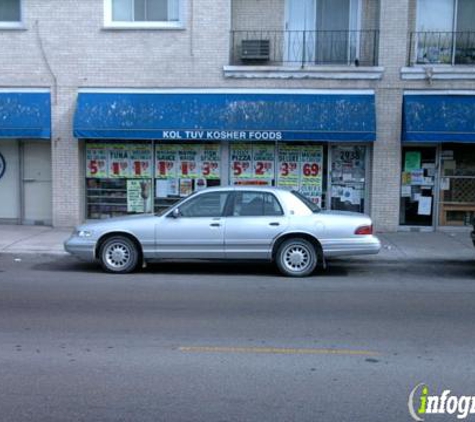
235 116
439 118
25 114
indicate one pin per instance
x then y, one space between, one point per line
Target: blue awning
25 114
226 116
439 118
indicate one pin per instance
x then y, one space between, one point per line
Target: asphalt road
201 342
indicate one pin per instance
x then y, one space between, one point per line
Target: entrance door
37 186
9 181
418 186
348 177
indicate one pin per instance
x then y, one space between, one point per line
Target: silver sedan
229 223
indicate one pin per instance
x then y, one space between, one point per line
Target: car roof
245 187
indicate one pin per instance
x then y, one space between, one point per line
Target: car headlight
83 233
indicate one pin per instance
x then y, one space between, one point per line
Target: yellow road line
276 350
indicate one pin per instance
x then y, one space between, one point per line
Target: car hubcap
297 258
117 255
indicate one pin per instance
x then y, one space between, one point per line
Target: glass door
348 177
418 186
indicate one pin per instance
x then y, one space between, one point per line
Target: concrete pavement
454 244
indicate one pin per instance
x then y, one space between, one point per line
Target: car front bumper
82 248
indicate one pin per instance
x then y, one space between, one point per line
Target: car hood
116 221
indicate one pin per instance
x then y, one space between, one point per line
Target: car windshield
313 207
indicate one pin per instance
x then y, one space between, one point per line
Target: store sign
3 165
223 135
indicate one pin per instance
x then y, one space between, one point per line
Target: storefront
438 159
145 150
25 157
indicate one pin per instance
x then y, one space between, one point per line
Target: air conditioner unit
255 50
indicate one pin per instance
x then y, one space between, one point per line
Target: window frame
109 23
14 24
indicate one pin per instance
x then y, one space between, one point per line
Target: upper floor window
10 13
445 31
143 13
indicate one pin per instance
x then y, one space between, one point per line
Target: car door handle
274 224
215 225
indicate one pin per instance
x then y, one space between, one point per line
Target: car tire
119 255
296 257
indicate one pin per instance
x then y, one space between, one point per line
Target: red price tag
310 169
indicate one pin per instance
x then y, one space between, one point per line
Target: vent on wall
255 50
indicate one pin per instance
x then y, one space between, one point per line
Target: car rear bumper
365 245
80 248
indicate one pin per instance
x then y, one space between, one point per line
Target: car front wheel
119 254
296 258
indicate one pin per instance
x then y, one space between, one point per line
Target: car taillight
364 230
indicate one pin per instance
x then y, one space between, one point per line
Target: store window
143 13
418 181
137 177
457 185
291 166
118 179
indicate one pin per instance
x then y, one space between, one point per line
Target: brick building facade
71 47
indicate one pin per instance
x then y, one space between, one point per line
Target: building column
67 200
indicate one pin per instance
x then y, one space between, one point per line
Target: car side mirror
176 213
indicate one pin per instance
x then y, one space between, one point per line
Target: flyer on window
141 160
166 158
119 161
96 161
210 159
139 196
241 162
263 161
288 175
188 165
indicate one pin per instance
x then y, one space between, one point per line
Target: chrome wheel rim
297 258
117 255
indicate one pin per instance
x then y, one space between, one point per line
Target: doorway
418 186
37 201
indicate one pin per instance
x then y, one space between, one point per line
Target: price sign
96 161
118 161
165 161
141 161
210 158
188 163
263 157
241 161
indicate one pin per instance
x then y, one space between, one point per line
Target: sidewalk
396 246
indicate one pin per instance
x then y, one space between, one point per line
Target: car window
206 205
256 204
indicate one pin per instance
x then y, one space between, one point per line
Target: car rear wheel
296 258
119 255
